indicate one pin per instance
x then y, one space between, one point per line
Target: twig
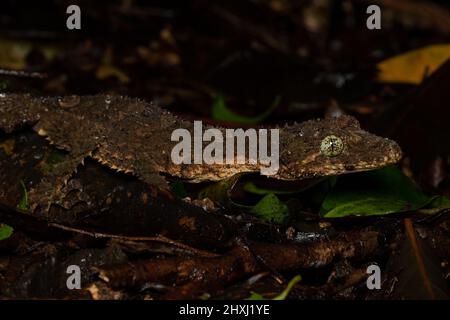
24 74
194 274
157 238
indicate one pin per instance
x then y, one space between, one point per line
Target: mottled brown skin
134 136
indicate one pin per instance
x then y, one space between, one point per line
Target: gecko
133 136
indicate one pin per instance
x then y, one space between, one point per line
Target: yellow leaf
106 71
412 67
8 146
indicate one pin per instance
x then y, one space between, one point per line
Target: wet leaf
416 123
378 192
413 66
219 191
270 209
220 111
5 231
416 269
261 190
283 187
437 205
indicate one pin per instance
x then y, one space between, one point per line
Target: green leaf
204 296
220 191
5 231
23 203
282 295
377 192
253 188
284 187
270 208
289 287
221 112
440 202
261 190
255 296
437 205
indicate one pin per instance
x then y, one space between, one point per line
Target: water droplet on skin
69 101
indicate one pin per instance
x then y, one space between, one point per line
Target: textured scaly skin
134 136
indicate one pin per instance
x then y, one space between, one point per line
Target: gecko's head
332 146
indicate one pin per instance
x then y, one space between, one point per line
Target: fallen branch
158 238
193 274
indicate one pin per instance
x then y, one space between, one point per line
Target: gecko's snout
395 153
369 152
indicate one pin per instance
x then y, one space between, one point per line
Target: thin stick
157 238
21 73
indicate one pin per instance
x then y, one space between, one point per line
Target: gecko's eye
331 146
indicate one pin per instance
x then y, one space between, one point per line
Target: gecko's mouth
388 153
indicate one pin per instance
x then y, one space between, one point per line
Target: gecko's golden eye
331 146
